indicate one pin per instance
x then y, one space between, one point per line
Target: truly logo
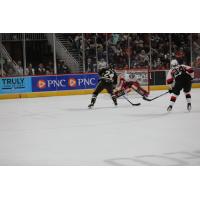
13 83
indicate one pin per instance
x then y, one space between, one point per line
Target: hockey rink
63 131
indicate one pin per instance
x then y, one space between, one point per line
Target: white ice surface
62 131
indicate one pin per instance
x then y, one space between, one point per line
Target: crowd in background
30 70
123 50
196 50
119 50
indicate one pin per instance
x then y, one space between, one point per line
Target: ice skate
91 105
169 108
189 107
114 101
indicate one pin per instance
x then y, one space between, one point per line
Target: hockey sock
93 100
173 100
140 91
188 97
144 92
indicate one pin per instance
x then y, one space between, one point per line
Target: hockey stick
145 98
133 104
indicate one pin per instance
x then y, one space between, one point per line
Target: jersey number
178 71
108 74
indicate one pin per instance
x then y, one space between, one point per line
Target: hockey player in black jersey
107 80
180 77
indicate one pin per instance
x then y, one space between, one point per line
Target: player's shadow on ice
163 114
151 114
98 108
146 116
179 158
85 109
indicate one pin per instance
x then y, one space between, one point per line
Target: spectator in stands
11 72
180 54
59 68
50 68
89 65
143 59
19 69
48 72
64 69
100 51
2 62
160 51
139 43
197 62
157 63
40 70
29 71
196 45
8 68
77 41
115 38
2 72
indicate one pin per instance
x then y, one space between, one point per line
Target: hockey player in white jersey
128 82
179 77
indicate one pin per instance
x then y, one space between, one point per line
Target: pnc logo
72 82
41 84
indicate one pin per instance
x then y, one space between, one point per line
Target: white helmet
101 64
126 75
174 63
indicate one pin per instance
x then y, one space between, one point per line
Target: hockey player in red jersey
127 83
179 77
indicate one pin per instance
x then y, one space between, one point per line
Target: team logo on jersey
41 84
72 82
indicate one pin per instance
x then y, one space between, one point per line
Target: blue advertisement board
15 85
64 82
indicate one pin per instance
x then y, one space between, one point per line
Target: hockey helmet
126 75
174 63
